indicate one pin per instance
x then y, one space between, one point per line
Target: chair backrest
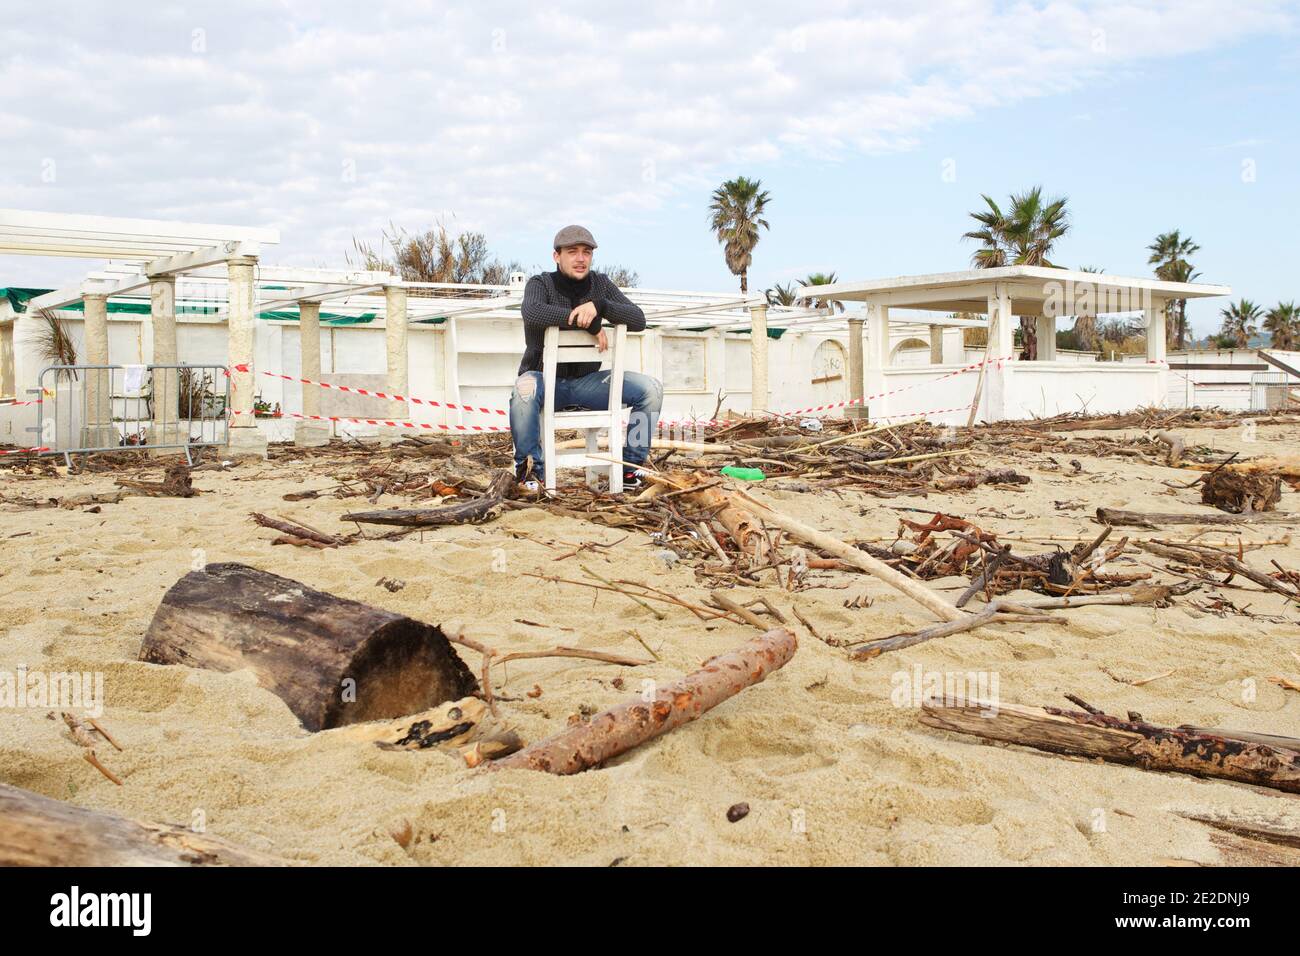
575 345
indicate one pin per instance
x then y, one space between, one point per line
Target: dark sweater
545 305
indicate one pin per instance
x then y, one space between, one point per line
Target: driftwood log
619 729
175 484
40 831
1241 492
1153 519
1192 750
462 512
331 660
740 523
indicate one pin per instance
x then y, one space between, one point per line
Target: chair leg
548 452
593 448
616 451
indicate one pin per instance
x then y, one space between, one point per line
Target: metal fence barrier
1269 391
105 408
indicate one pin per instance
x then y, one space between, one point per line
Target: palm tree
736 214
781 294
1239 322
1283 325
1085 326
822 278
1170 255
1023 235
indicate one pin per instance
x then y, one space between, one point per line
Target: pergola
161 251
216 269
1001 295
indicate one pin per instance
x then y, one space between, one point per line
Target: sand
833 771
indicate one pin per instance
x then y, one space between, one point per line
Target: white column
1154 315
245 438
310 432
395 335
1153 312
877 356
98 413
1045 331
1000 352
936 345
8 380
856 390
162 315
758 358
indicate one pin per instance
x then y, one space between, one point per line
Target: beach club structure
174 308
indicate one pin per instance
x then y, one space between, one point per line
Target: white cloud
512 115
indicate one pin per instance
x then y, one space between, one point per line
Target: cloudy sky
874 126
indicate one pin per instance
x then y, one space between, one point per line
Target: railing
87 409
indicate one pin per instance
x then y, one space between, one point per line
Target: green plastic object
744 474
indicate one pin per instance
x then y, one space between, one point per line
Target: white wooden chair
576 345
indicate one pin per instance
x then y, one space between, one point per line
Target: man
575 297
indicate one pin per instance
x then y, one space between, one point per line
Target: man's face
574 261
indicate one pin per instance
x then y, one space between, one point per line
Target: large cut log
463 512
40 831
1191 750
333 661
630 724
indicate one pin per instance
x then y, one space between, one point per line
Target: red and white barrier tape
383 395
23 451
427 426
894 391
706 422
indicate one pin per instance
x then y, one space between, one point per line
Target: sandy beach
832 770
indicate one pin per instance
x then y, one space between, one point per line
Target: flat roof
1028 286
110 237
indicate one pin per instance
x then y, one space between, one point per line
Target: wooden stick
632 597
561 651
989 615
102 732
727 604
859 559
475 509
634 722
296 530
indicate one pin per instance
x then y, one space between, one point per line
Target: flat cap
574 236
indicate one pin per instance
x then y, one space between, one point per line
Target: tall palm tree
736 215
1023 235
822 278
1170 254
1239 320
781 294
1085 326
1283 325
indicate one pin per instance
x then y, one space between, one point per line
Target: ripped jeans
643 393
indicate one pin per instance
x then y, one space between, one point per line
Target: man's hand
583 315
602 341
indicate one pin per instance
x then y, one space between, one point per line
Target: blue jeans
643 393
